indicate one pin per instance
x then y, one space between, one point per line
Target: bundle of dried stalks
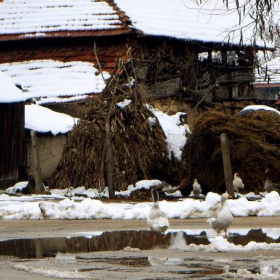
254 146
139 148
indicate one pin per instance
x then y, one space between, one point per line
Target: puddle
176 266
66 254
123 240
106 241
188 268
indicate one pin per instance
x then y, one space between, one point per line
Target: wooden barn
23 154
26 53
12 132
188 62
172 59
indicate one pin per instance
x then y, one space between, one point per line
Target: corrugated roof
21 19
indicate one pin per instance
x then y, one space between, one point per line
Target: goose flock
221 220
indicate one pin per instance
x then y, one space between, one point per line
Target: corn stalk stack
139 148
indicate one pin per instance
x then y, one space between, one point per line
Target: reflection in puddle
187 266
270 267
119 240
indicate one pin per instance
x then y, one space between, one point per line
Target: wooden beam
36 164
227 164
109 161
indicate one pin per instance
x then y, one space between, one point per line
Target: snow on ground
50 272
78 204
220 244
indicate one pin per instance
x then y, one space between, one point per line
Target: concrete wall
50 152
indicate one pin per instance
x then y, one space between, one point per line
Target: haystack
138 144
254 141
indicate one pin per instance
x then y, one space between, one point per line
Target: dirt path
47 228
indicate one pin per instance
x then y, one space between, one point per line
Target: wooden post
36 164
109 161
227 164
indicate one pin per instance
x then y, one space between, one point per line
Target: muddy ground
132 263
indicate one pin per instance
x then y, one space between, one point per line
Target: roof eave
65 34
139 33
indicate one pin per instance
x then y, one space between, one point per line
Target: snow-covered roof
9 92
50 79
183 19
269 72
37 18
186 19
54 81
45 120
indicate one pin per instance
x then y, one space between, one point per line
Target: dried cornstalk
139 151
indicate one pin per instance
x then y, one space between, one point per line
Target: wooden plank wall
12 143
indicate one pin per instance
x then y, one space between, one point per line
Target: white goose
269 186
157 220
223 217
196 188
237 182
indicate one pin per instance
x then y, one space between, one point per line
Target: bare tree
259 15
